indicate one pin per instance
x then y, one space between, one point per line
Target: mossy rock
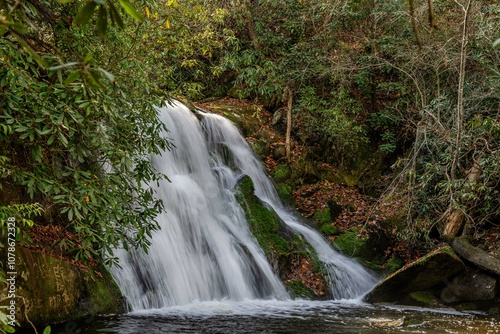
50 290
264 222
245 118
280 244
350 244
322 217
329 230
238 93
285 192
281 173
369 248
261 148
419 275
425 299
394 263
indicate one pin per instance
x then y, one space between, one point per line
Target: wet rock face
419 275
50 290
470 286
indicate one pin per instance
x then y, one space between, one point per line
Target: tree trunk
250 23
476 255
414 24
460 92
288 97
456 217
430 11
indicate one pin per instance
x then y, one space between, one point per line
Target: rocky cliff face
49 290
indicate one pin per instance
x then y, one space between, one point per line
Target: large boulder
423 274
470 286
47 290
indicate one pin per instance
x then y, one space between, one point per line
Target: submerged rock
419 275
50 290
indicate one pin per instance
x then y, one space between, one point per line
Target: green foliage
332 120
20 216
75 136
186 43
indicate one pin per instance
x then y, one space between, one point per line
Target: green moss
323 217
103 293
261 148
263 221
297 289
424 297
59 291
280 244
394 263
349 243
237 93
281 173
329 229
285 192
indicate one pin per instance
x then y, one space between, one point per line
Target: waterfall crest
205 250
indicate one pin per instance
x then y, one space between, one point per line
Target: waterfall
204 249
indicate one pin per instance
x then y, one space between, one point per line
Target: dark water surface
286 317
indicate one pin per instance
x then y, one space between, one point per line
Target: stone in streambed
470 286
419 275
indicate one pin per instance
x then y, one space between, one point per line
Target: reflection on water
297 316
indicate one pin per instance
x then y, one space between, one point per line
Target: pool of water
297 316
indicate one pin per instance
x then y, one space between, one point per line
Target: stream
292 316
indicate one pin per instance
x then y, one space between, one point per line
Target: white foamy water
204 251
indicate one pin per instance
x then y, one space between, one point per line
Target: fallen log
476 255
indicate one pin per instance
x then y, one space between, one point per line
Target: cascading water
204 250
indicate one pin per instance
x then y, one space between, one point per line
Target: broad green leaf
65 1
85 13
19 28
94 80
108 75
72 77
51 140
8 329
115 16
63 66
88 58
102 21
30 50
47 330
131 10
